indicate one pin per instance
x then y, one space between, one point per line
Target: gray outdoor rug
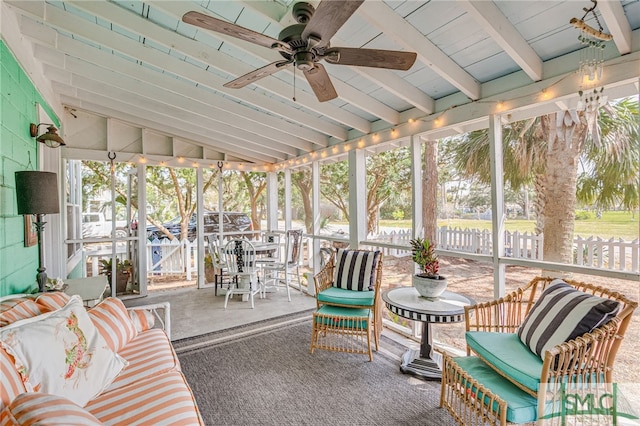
266 376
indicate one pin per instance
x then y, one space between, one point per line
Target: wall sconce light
50 139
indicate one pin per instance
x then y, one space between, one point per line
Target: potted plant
428 282
209 269
123 272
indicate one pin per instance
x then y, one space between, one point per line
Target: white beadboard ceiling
155 83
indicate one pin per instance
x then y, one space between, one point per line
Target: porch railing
179 257
596 252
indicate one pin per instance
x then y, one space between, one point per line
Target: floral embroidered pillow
62 353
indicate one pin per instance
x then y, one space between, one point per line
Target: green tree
388 179
334 185
168 190
255 184
563 160
301 180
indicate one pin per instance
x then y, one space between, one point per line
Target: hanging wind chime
591 62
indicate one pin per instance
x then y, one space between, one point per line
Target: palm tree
566 163
430 190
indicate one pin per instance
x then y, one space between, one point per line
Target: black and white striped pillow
356 269
563 313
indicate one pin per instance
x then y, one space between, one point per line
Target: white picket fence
179 257
595 252
166 257
607 254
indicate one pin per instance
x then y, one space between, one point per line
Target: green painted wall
18 107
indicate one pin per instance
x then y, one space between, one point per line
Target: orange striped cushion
12 310
112 321
143 319
62 353
44 409
149 354
165 399
11 384
52 301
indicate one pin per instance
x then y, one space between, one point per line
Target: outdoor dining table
262 250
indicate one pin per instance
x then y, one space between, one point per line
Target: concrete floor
198 311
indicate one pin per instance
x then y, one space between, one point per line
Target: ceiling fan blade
320 83
218 25
329 16
377 58
257 74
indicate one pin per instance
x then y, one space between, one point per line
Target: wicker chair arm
324 279
503 315
587 358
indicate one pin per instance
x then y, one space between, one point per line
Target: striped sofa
127 362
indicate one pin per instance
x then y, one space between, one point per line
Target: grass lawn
613 224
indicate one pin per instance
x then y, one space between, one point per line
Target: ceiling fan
306 43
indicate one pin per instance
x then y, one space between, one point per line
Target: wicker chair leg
467 400
342 334
314 335
369 343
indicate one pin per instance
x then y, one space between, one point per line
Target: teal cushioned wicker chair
348 302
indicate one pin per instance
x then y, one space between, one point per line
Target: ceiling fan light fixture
304 60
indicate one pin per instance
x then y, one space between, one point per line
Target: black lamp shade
37 192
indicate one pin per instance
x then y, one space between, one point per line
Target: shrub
584 215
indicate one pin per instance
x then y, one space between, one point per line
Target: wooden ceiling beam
493 21
111 40
617 23
406 35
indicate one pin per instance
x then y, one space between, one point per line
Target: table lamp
37 193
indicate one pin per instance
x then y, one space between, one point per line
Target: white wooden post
143 264
497 203
357 198
315 208
186 256
287 199
200 231
272 201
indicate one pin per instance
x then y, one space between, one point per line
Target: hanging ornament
591 64
112 156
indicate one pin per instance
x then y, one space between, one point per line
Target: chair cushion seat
350 317
343 296
521 407
507 353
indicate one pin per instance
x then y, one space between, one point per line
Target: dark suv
233 222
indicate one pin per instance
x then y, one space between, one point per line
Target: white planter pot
430 288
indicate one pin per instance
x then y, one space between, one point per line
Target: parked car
94 225
233 222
